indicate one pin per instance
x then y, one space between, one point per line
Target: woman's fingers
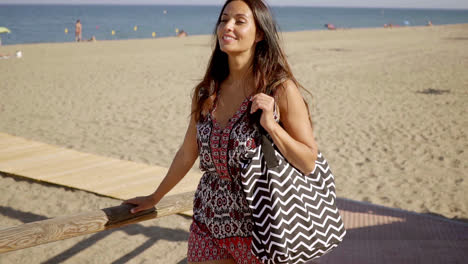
262 101
136 209
131 201
127 201
267 104
140 206
142 203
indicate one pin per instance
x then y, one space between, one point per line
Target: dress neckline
240 110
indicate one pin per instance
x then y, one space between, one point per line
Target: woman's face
236 30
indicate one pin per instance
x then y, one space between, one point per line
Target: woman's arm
295 139
181 164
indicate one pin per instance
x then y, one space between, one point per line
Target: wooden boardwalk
101 175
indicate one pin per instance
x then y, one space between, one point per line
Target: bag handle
269 152
267 148
267 145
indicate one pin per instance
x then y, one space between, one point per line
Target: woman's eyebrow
236 15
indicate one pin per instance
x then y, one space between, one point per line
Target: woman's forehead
237 8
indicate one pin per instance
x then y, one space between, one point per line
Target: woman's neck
240 72
240 65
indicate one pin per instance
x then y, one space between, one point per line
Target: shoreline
210 35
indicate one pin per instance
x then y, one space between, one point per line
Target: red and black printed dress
222 223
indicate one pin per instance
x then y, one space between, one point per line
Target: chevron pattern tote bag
295 215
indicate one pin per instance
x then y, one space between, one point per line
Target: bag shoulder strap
268 150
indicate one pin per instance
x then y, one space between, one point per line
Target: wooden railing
64 227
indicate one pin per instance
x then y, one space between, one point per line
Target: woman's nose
229 25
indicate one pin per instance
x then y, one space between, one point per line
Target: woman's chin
231 50
226 49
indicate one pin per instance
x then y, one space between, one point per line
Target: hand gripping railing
64 227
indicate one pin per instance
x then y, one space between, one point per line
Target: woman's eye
240 22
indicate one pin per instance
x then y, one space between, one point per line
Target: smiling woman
248 87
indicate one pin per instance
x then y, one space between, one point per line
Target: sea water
48 23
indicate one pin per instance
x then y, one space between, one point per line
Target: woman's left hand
267 105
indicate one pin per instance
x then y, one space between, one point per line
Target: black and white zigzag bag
295 215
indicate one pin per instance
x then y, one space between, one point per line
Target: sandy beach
389 108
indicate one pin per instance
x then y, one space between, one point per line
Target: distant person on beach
248 85
78 31
390 25
182 33
330 26
429 23
18 54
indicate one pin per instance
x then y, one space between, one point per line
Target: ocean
48 23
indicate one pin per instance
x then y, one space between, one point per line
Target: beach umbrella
4 30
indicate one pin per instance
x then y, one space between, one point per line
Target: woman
248 72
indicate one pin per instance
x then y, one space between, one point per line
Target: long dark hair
270 67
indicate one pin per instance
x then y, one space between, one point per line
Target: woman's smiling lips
228 39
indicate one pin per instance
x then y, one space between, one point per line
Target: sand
389 136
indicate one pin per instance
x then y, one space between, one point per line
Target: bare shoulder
288 86
294 113
287 95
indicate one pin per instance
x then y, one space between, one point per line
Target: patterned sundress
222 223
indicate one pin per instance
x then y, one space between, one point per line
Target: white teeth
227 38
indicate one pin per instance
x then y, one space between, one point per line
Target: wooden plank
16 165
8 147
53 173
32 155
105 168
60 228
144 186
153 175
116 181
87 181
11 145
65 156
60 164
102 175
29 153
